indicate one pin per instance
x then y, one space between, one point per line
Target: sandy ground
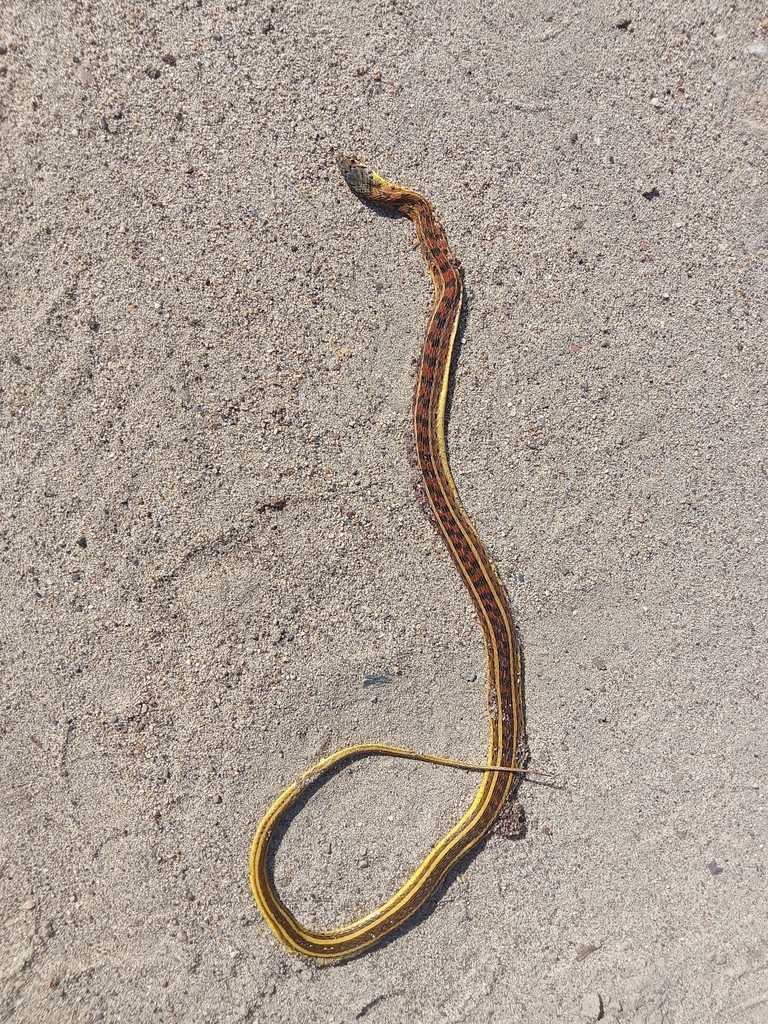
215 569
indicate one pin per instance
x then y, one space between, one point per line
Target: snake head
356 175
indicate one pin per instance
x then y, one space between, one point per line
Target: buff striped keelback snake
505 706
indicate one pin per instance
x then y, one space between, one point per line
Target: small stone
82 542
714 868
655 101
591 1006
169 59
153 73
217 36
721 959
93 324
29 904
469 675
104 124
3 49
758 50
599 664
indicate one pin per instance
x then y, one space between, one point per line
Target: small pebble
217 36
469 675
153 73
3 49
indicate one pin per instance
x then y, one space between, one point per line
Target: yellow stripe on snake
505 706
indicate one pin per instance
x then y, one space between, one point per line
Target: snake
506 748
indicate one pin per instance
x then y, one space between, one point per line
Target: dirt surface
214 565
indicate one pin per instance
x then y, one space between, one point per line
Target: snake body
505 707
